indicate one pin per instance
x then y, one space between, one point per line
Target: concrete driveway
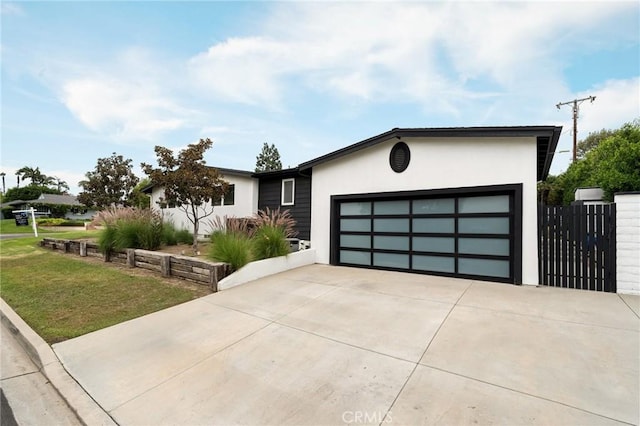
334 345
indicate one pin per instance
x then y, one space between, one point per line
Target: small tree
188 182
109 184
138 198
268 159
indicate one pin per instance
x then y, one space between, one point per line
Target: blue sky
81 80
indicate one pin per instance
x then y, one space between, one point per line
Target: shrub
107 239
50 221
231 247
169 234
270 241
129 228
183 236
276 218
232 224
150 236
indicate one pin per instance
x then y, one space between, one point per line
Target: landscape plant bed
201 271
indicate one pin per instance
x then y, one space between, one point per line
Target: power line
576 109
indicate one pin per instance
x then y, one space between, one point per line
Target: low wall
168 265
628 242
262 268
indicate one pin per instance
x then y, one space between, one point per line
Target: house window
228 199
288 191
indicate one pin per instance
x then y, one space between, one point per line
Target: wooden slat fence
577 246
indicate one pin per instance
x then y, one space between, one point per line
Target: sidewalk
32 399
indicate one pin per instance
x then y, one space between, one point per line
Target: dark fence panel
577 246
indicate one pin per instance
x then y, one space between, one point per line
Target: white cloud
431 53
121 108
617 102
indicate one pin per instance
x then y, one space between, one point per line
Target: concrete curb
87 410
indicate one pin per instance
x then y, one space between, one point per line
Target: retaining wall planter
168 265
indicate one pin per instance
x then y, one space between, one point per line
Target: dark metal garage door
470 232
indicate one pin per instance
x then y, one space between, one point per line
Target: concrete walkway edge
87 410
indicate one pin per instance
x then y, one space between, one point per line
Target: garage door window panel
484 225
484 246
355 257
355 241
391 260
381 208
484 204
434 226
434 263
434 244
484 267
355 209
390 225
390 243
355 225
435 206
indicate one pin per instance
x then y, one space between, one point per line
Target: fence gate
578 246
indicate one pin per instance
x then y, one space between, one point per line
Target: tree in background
138 198
26 193
36 177
592 141
61 186
268 159
109 184
189 184
610 160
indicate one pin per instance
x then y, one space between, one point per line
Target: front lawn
62 297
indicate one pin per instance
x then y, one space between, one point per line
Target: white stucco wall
628 243
435 163
245 204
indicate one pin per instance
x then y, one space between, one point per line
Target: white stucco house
244 205
457 202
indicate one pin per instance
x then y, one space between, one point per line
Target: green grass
8 226
62 297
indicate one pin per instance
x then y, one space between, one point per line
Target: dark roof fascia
223 171
235 172
282 174
552 132
147 189
546 151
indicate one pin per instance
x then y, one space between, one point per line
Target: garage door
462 235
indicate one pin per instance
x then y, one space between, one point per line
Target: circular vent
399 157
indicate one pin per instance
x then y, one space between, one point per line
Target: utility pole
576 109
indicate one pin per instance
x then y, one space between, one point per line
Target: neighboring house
45 206
446 201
